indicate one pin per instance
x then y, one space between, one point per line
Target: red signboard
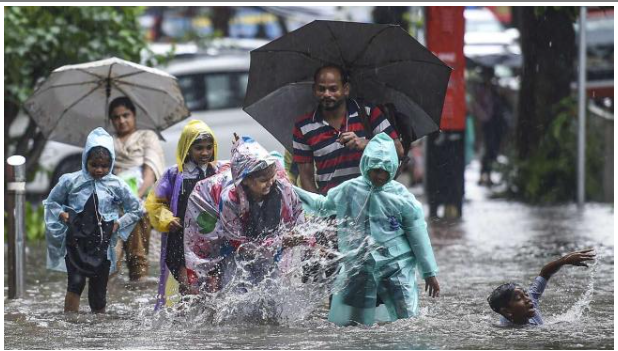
445 38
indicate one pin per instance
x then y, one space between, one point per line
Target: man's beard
335 106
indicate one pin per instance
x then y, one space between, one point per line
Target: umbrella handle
108 88
108 91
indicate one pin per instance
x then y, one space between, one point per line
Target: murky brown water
496 242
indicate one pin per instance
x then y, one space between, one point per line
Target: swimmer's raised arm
576 258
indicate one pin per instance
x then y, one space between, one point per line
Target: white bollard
16 209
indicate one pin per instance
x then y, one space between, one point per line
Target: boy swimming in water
520 307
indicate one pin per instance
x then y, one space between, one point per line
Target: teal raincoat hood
382 235
380 153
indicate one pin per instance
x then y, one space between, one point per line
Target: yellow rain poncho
163 205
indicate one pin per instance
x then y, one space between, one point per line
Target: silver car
214 89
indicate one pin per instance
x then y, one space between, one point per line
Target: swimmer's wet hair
99 152
501 296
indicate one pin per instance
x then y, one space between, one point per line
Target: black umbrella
385 65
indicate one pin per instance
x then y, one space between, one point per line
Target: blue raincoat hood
380 153
98 137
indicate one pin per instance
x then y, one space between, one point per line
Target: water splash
582 305
260 288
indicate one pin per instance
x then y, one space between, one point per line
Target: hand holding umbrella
384 64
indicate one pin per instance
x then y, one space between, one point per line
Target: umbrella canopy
74 99
385 65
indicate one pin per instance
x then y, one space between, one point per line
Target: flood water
497 241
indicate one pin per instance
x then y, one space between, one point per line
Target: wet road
497 241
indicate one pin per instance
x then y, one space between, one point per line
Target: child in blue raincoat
83 222
382 235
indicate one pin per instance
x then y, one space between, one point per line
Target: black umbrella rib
75 103
362 52
294 52
369 67
117 82
108 90
39 92
388 86
137 102
89 73
131 74
109 71
338 47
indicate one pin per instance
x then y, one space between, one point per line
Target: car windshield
214 91
483 26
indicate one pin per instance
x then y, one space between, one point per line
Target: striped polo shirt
315 140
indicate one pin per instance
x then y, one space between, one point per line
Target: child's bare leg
71 302
183 281
102 310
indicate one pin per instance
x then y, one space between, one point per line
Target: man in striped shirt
333 135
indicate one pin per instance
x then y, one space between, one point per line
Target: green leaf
39 39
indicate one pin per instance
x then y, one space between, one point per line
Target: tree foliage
548 175
542 167
548 48
39 39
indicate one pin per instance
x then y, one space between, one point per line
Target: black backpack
400 122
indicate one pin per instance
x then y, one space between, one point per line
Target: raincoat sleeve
131 208
297 209
324 206
202 247
415 228
229 225
158 203
55 229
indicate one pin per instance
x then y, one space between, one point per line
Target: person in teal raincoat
382 237
83 222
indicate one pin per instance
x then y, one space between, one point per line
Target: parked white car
485 35
214 88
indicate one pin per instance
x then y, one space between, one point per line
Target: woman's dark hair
121 101
99 152
501 296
